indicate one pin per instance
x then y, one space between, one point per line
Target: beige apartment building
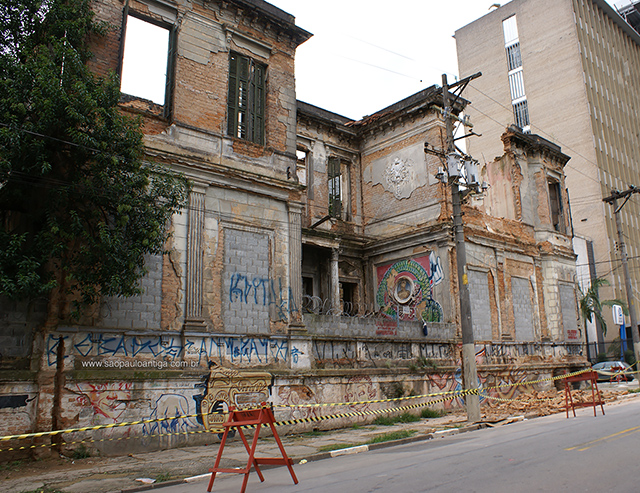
568 70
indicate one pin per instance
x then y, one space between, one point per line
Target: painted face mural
107 399
405 289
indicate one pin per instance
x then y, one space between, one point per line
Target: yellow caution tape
448 395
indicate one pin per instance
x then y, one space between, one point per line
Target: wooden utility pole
613 200
470 375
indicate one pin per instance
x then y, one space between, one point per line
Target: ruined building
316 252
568 70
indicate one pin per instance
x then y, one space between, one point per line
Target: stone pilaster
336 308
195 259
295 265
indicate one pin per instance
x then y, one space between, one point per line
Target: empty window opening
301 165
334 177
307 286
348 295
555 205
145 60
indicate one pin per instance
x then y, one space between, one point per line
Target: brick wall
522 310
480 305
247 288
137 312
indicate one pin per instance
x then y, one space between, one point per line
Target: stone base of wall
98 397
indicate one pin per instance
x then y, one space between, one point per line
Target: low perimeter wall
122 390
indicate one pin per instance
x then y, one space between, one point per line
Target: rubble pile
537 403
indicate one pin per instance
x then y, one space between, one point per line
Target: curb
327 455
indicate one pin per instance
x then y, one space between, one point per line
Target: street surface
551 453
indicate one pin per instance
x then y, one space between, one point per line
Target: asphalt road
552 453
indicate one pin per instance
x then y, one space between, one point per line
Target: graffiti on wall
106 399
436 351
262 291
360 389
223 388
386 351
15 401
341 353
405 289
295 395
170 405
235 350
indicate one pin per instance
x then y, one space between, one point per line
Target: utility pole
470 375
613 200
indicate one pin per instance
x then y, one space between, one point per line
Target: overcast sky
368 54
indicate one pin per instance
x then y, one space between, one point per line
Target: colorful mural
224 388
405 289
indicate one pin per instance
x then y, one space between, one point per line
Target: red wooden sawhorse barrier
596 398
253 417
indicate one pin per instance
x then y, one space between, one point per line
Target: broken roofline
431 96
539 144
275 15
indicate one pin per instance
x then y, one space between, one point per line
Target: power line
541 131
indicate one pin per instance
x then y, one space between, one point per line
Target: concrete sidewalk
121 474
117 474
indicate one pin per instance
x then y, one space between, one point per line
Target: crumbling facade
315 248
592 112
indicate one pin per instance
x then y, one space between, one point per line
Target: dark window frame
334 187
246 98
556 209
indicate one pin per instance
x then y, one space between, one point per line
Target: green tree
591 305
80 208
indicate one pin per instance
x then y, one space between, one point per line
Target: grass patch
10 466
385 437
314 433
165 476
356 426
431 413
337 446
81 452
384 421
394 435
634 391
46 489
392 420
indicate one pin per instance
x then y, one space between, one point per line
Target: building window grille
521 114
510 29
516 84
246 101
514 58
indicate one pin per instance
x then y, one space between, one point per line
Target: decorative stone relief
399 173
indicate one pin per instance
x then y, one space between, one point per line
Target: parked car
611 368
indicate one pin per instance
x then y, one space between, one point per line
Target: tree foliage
79 207
591 305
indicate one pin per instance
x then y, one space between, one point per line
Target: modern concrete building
568 70
631 13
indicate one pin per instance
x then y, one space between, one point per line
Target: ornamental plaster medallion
398 176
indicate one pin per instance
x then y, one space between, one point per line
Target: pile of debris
536 403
